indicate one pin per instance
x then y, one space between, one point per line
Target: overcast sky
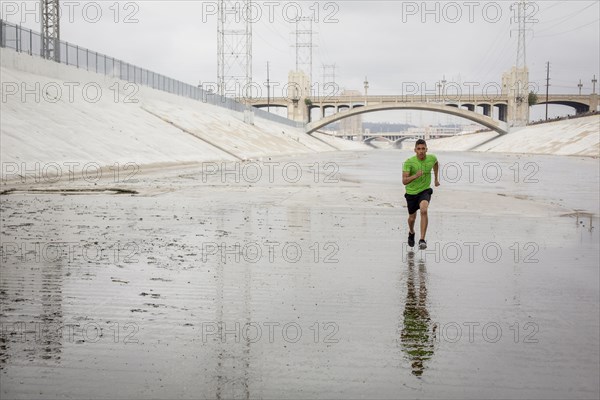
393 43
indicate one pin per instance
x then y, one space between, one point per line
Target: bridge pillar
515 84
298 111
593 102
299 92
502 114
581 109
487 110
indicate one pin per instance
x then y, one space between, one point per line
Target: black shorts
413 201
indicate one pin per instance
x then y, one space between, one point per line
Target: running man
416 176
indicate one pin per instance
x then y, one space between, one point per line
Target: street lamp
366 85
594 81
444 86
580 85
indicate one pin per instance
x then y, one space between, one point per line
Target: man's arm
436 168
406 178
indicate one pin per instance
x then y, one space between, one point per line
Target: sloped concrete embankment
60 115
571 137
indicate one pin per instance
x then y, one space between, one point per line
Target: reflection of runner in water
417 340
416 176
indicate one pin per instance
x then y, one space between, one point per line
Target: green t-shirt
412 165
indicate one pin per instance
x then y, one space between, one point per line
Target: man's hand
436 168
419 173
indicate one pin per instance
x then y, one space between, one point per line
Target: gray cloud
391 42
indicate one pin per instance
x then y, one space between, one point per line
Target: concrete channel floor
291 278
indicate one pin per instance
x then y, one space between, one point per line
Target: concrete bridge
493 111
581 103
388 136
392 139
393 142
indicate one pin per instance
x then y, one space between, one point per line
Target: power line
566 18
491 50
556 3
572 30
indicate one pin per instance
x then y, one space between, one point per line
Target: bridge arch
402 139
498 126
398 142
381 138
579 107
369 141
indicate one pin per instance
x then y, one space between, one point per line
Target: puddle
68 192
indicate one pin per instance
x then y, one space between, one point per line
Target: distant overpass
390 136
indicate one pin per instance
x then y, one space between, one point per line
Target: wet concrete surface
299 284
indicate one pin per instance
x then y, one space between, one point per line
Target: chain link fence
25 40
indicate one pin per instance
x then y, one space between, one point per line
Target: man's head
421 149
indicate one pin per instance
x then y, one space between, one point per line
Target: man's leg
411 229
412 218
423 206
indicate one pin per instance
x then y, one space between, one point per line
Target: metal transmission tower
520 77
329 85
50 30
304 45
234 47
521 42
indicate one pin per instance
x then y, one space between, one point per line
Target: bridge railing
25 40
449 98
402 98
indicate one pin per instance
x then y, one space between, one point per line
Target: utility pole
268 90
594 81
547 86
580 85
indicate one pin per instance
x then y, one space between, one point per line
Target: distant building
434 132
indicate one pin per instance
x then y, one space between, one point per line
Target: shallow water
204 285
